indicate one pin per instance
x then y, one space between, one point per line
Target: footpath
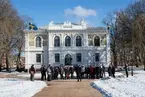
69 88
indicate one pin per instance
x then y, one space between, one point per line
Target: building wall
48 50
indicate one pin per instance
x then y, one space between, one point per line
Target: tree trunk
7 61
18 63
115 60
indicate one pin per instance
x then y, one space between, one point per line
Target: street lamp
42 57
131 63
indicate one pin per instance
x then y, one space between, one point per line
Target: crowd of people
67 72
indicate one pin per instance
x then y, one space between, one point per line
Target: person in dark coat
78 71
97 72
113 71
56 71
52 72
87 72
32 71
71 71
109 70
43 72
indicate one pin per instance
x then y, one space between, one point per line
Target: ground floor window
57 59
78 57
97 57
38 58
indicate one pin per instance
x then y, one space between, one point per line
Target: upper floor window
78 41
38 41
56 41
97 41
67 41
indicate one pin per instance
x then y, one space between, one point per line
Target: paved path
69 88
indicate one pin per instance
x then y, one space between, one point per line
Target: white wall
50 50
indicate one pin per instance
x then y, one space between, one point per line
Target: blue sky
44 11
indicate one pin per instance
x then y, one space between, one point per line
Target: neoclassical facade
67 44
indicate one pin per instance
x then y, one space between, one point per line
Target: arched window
67 41
38 41
78 41
97 41
56 41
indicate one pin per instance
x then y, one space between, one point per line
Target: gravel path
69 88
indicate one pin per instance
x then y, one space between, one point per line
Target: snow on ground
138 71
10 87
37 75
133 86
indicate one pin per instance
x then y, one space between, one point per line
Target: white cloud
80 12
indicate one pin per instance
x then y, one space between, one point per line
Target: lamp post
42 57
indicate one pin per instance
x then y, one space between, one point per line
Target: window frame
57 55
38 60
78 41
41 41
67 43
97 41
97 55
57 40
77 57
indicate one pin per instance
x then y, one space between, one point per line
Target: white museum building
67 44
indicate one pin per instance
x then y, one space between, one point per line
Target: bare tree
10 25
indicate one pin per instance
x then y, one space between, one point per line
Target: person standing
43 72
78 71
61 72
71 71
82 71
109 70
97 72
32 71
48 73
113 71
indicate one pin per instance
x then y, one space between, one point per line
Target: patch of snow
139 71
133 86
10 87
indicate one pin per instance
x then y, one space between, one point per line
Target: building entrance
68 59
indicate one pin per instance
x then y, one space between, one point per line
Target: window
78 57
78 41
97 41
67 41
56 41
97 57
38 58
38 42
57 57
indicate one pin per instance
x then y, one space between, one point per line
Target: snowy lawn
10 87
122 87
